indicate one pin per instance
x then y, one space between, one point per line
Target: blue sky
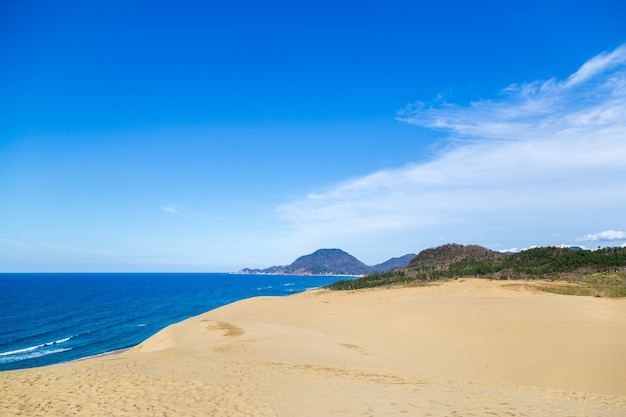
154 136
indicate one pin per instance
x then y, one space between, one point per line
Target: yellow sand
464 348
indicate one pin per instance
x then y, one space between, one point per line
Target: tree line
552 263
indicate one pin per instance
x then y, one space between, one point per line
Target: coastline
56 318
467 345
99 355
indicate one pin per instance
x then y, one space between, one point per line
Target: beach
460 348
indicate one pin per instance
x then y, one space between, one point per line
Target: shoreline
468 345
117 317
86 358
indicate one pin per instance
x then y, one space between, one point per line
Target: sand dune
468 347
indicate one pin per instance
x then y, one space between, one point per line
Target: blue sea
47 319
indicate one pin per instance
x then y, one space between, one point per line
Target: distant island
331 262
574 271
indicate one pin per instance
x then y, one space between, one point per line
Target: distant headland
331 262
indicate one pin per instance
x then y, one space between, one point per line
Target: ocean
50 318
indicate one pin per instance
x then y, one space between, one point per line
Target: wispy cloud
591 99
69 249
171 209
606 236
13 243
546 152
49 246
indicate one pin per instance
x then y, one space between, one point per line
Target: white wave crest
36 347
31 355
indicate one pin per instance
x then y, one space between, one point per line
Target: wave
31 355
31 351
63 340
264 288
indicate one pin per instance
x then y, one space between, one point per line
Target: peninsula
331 262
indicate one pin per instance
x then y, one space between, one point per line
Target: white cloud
601 63
13 243
607 235
544 155
591 99
171 209
70 249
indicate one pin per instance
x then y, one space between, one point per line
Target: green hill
600 272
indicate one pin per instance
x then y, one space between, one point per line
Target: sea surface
52 318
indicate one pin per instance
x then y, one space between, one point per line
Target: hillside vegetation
600 272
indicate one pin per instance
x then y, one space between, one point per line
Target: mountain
394 263
327 262
331 262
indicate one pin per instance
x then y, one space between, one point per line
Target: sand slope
469 347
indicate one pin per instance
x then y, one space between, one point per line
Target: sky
213 136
